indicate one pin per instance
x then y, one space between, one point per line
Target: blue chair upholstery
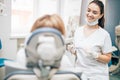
2 61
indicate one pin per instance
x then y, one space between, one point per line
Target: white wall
9 45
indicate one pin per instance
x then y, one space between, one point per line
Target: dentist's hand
91 52
72 49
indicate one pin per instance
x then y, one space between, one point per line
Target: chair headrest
45 46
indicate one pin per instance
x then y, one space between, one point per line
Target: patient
52 21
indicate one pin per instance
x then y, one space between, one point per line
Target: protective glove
71 48
90 52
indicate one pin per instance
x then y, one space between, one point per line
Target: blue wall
112 17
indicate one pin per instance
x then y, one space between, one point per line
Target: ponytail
101 22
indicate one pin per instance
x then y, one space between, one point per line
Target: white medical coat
101 42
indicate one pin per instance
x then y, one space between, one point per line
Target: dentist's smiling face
93 12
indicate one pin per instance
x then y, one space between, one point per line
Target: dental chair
115 67
44 50
117 32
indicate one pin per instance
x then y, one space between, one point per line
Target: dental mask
92 23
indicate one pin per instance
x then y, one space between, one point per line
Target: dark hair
101 6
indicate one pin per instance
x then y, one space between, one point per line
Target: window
71 13
48 7
24 12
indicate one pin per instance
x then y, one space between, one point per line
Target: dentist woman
93 44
